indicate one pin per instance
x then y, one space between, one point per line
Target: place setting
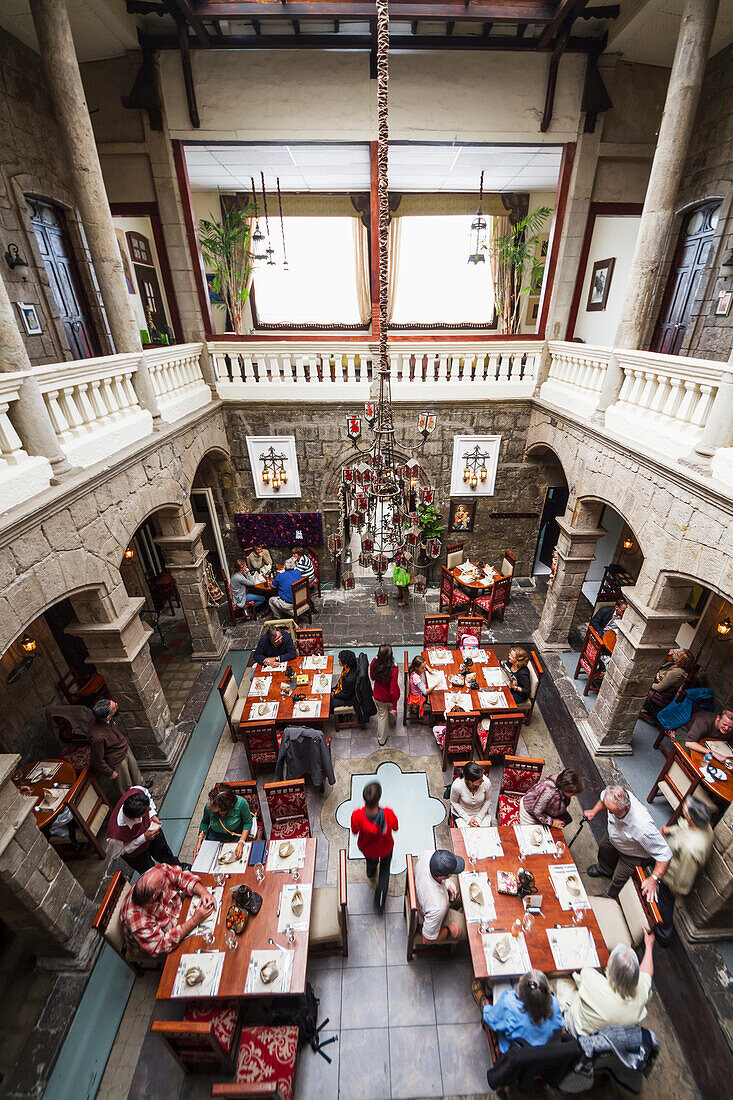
269 970
314 663
492 700
294 908
569 889
198 974
260 711
573 947
534 840
45 769
481 842
478 899
208 927
260 685
307 708
506 953
321 684
225 858
286 855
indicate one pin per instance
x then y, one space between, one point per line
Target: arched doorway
554 506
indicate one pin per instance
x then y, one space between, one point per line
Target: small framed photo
462 516
600 285
30 318
533 307
722 307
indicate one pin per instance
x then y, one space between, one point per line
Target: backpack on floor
300 1011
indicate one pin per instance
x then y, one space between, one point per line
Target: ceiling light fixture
477 253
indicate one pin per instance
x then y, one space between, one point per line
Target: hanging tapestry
280 528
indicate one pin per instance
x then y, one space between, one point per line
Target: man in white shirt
435 893
631 838
134 832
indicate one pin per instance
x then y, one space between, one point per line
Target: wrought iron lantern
478 246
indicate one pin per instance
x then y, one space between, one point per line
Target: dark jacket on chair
602 618
523 1064
304 751
364 704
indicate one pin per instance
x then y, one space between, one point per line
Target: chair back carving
520 774
502 734
454 555
468 624
205 1040
459 765
508 563
301 600
501 594
309 641
460 734
435 631
286 800
260 744
590 659
247 789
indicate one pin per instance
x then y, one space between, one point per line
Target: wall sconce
274 472
28 643
129 553
13 257
475 467
724 626
628 544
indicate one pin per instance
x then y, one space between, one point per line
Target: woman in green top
227 817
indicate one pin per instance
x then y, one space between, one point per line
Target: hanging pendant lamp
269 250
258 240
282 224
477 253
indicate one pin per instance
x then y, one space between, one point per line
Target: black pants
665 901
157 851
380 894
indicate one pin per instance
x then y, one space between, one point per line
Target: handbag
400 576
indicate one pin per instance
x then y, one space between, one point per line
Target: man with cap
435 894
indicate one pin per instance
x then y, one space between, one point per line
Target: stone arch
41 588
539 450
595 498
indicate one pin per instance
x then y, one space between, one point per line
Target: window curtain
361 258
395 233
505 289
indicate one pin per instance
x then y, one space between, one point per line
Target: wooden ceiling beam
516 11
567 12
192 18
357 42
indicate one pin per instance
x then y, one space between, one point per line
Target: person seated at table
134 832
149 917
274 646
530 1011
226 818
547 802
716 727
470 797
607 616
344 694
282 602
435 892
243 587
259 560
516 669
691 841
417 687
304 562
618 998
668 680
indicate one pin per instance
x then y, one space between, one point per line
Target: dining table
720 789
510 908
475 578
493 693
267 924
48 777
271 685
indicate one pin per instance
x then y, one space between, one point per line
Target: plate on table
259 712
715 773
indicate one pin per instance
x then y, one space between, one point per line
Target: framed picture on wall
722 306
462 516
600 285
30 318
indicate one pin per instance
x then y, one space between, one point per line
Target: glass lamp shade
466 474
28 644
628 544
474 481
283 477
348 474
483 473
724 627
129 554
477 249
258 243
266 477
276 485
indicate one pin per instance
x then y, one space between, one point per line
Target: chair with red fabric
450 596
460 734
496 601
435 631
589 661
238 614
315 584
458 766
265 1065
454 555
247 789
309 641
520 775
288 809
469 624
82 688
204 1041
502 734
261 743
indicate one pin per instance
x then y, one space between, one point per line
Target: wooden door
49 226
689 262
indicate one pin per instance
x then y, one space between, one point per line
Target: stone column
117 640
61 71
644 638
718 432
40 899
707 913
28 414
575 551
185 558
683 92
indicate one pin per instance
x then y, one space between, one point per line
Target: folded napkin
473 910
211 962
275 862
270 711
284 962
287 917
558 878
309 708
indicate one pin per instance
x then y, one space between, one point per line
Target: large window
435 282
320 287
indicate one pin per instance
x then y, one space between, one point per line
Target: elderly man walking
112 762
631 838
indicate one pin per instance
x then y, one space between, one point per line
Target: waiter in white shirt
631 838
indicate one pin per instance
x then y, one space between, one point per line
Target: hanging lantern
361 502
427 495
466 474
367 544
348 473
129 554
266 476
366 476
478 245
370 412
401 471
349 580
483 473
420 584
381 597
724 627
474 480
28 643
353 426
433 548
426 422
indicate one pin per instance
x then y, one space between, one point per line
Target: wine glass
259 873
296 874
527 922
516 929
472 859
559 851
219 878
231 941
209 938
290 935
578 914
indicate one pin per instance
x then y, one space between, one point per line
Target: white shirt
433 898
636 835
466 805
118 847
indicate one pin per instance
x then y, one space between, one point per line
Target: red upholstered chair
288 809
502 735
247 788
460 734
495 603
301 601
451 597
520 774
536 672
309 641
261 743
458 766
589 661
204 1041
435 631
82 688
315 584
469 624
238 614
230 699
265 1065
454 555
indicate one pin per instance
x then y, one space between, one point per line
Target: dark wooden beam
373 50
192 235
184 47
553 244
595 95
567 10
518 11
557 53
608 11
362 43
521 30
191 17
450 27
336 25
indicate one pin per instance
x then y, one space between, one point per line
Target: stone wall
714 653
322 446
23 704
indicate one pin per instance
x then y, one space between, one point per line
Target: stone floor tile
410 994
396 930
464 1058
314 1077
367 942
327 987
363 997
452 992
364 1065
414 1062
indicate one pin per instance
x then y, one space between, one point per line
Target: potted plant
431 525
518 266
225 248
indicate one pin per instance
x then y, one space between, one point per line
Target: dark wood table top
64 777
508 908
723 788
480 584
437 698
255 936
285 709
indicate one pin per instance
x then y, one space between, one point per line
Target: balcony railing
178 384
22 476
576 375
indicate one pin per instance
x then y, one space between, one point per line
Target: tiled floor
176 671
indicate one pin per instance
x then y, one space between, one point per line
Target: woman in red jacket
384 673
374 825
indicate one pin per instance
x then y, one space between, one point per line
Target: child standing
374 825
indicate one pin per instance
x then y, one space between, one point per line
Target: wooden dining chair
500 595
416 945
454 555
679 778
625 919
536 672
265 1065
460 734
328 933
106 924
450 596
315 584
309 641
502 735
589 660
301 601
435 630
89 809
458 766
508 562
82 688
232 702
288 808
237 614
204 1041
247 789
520 774
468 624
261 744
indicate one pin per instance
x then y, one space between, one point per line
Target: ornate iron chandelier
382 487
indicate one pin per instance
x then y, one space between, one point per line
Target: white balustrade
576 376
93 406
21 475
178 384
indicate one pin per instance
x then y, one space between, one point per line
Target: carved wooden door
690 261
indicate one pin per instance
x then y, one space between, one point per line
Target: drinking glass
290 935
296 874
527 922
209 939
516 928
219 879
484 926
231 941
472 859
259 873
559 851
578 914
